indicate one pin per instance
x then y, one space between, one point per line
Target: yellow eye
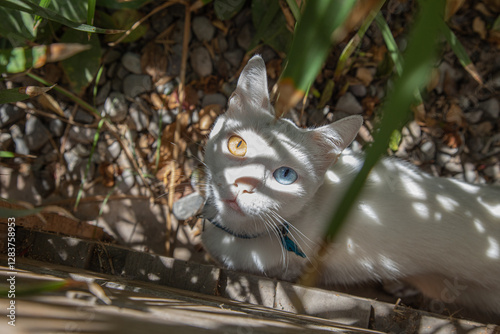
237 146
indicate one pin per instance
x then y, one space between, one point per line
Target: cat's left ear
334 138
252 86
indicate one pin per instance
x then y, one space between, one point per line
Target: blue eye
285 175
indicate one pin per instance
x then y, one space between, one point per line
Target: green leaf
38 19
20 59
81 68
34 9
311 42
16 26
395 140
131 4
125 19
21 93
271 26
91 13
6 154
418 60
226 9
16 213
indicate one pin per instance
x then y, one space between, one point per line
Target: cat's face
260 169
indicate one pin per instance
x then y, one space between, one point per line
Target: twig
138 23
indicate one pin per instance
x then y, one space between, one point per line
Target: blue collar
283 231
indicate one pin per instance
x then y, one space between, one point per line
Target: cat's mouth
233 204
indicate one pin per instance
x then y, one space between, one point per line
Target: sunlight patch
413 188
421 209
493 209
479 226
370 212
470 188
447 203
332 176
494 250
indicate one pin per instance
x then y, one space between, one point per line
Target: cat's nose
246 184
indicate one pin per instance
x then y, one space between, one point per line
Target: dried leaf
60 51
154 61
452 140
365 75
479 27
452 6
455 115
48 102
33 91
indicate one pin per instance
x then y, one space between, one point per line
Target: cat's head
259 166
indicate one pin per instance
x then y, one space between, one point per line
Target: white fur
441 235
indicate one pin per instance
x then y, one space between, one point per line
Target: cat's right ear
252 87
334 138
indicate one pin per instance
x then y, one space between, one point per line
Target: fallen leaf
452 6
455 115
479 27
48 102
365 75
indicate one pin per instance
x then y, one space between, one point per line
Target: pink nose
246 184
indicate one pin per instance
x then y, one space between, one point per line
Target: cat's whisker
274 227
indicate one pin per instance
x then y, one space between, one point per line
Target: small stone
491 107
188 206
5 141
454 167
71 159
19 143
349 104
83 151
493 171
135 84
115 107
316 118
415 129
56 127
166 88
45 184
36 134
475 144
111 56
470 173
82 135
201 61
132 62
222 43
234 57
114 151
473 116
139 118
428 150
216 98
244 38
447 149
358 90
10 114
442 158
121 72
125 181
103 93
203 28
83 117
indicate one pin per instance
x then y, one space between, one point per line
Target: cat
272 188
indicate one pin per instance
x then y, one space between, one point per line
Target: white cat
272 188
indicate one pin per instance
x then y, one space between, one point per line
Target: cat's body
269 181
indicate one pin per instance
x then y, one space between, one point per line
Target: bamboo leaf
460 52
309 49
38 19
34 9
418 60
21 93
